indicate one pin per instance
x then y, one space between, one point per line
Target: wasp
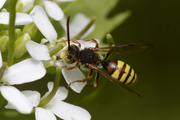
117 71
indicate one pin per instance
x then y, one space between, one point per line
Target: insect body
118 72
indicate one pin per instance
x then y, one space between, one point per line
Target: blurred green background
155 22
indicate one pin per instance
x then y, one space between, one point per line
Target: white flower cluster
33 69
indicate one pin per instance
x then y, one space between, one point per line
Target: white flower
2 2
43 24
53 10
24 5
21 18
25 71
41 52
56 106
79 22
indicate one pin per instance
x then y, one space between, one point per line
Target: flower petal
43 24
24 5
33 96
44 114
68 111
19 101
87 44
53 10
23 72
21 18
38 51
72 75
78 23
2 3
61 93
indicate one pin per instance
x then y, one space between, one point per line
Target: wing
116 82
131 48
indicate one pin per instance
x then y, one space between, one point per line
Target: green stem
46 100
56 50
70 6
2 69
11 32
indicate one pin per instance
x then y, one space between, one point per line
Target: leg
75 41
108 53
95 84
72 40
94 41
69 68
85 79
63 41
96 80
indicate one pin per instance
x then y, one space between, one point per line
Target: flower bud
4 10
20 45
4 41
31 29
24 6
18 33
3 26
4 32
110 40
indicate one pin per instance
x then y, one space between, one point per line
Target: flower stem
11 32
46 100
2 69
70 6
56 50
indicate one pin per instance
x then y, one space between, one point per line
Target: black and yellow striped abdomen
120 71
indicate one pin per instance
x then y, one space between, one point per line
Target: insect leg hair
85 79
72 67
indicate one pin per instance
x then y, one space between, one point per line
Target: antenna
68 36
